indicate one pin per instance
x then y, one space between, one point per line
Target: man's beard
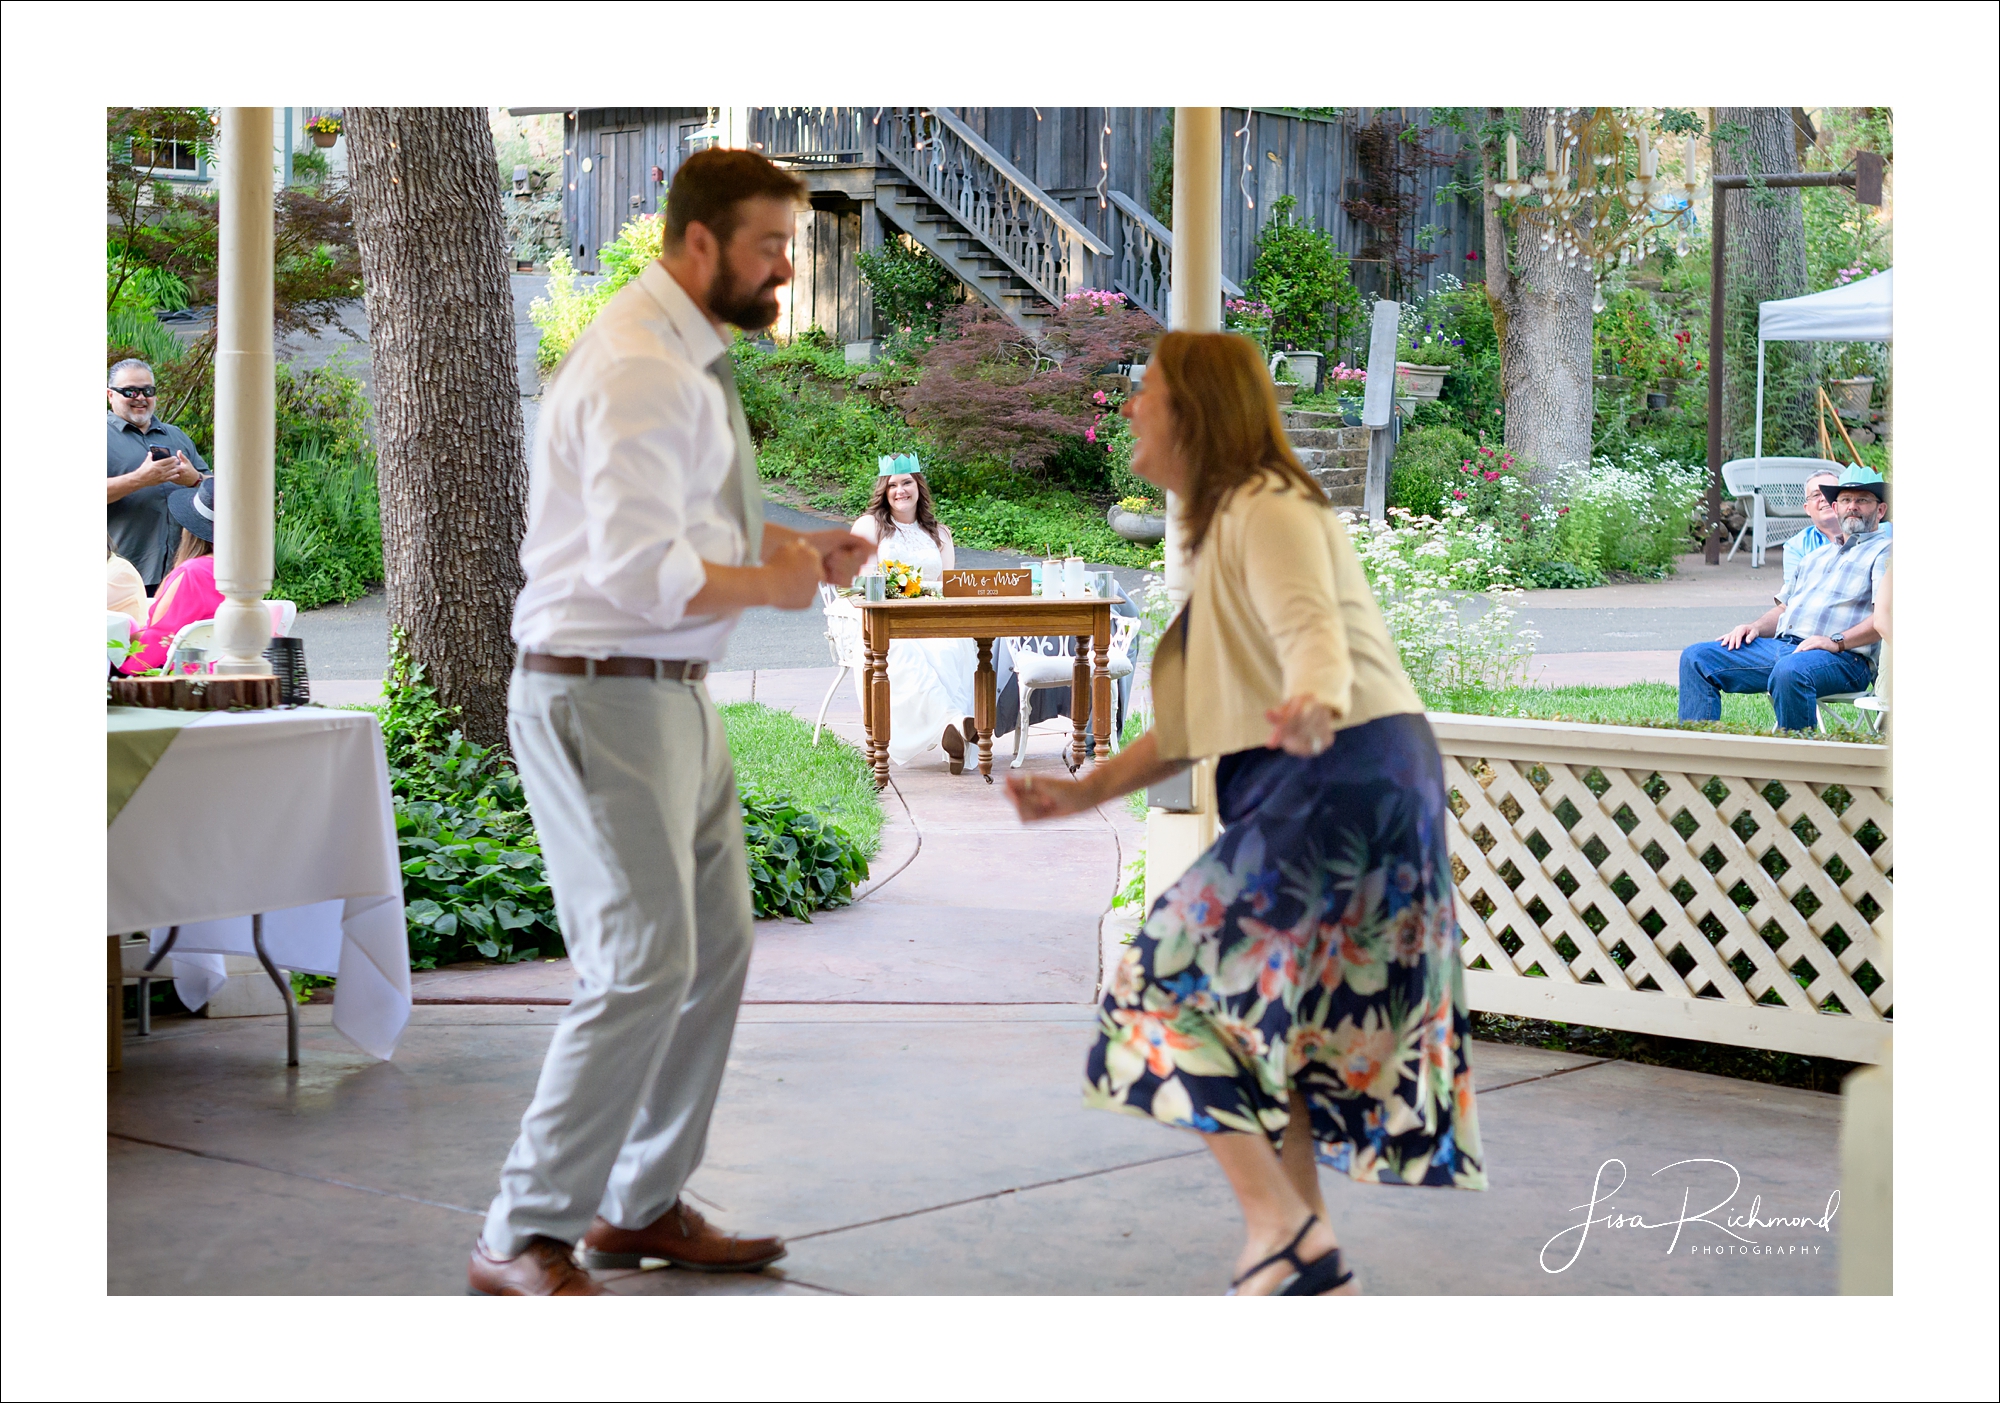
1852 526
752 311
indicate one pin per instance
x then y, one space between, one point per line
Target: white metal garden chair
843 640
1776 488
201 633
1039 671
1872 708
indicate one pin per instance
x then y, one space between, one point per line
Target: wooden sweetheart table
1088 620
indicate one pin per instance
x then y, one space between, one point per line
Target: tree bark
1543 318
1767 260
454 479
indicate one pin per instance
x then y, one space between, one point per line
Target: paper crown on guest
900 463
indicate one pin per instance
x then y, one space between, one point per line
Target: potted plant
1303 278
1428 354
1138 519
324 129
1248 317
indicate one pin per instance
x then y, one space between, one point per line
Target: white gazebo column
1175 839
245 394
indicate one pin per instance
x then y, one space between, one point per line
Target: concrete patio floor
902 1103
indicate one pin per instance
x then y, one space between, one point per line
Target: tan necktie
746 494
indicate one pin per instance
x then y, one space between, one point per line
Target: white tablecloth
284 813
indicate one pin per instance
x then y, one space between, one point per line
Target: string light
1103 163
1244 132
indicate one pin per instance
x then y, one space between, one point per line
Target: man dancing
645 542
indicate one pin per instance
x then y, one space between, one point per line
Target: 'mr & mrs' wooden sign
975 584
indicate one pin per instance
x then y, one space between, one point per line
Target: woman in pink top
188 593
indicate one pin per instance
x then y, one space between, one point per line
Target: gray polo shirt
141 530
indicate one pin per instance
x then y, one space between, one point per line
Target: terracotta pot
1287 393
325 139
1421 381
1851 397
1137 527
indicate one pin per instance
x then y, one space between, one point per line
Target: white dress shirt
629 486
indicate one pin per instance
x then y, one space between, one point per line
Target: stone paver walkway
902 1103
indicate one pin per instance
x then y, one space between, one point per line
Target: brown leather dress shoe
543 1268
680 1236
954 748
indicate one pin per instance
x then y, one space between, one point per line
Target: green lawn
1647 704
773 750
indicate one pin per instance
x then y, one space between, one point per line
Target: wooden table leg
115 1011
1103 713
985 705
878 698
1079 704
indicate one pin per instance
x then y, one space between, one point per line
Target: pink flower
1491 477
1487 451
1090 434
1458 494
1525 516
1562 511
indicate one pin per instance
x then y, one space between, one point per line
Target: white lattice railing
1142 258
1732 889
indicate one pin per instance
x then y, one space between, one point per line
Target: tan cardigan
1280 607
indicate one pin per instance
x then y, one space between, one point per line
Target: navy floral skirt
1313 948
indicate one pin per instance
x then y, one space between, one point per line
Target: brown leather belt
659 669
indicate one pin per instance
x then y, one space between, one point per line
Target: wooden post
1866 180
1378 407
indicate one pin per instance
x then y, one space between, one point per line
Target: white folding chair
1039 671
1776 488
1871 707
843 641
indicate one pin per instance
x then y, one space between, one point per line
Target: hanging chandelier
1600 195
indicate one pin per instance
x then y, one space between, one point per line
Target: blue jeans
1795 680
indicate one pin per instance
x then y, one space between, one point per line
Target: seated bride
930 679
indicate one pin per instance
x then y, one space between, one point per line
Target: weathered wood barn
1027 205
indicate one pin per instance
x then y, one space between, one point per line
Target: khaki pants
634 797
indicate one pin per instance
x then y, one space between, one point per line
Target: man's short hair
711 186
111 375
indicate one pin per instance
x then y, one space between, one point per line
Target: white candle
1513 171
1645 152
1549 147
1688 174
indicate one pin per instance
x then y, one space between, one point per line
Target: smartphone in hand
156 453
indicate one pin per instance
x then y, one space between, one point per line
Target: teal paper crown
901 463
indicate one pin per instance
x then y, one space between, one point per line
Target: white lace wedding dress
930 679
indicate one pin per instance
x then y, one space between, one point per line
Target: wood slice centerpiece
200 693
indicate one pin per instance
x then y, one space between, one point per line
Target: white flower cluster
1426 574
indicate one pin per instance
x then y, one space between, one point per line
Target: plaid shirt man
1834 590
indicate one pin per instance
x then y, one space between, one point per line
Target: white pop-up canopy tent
1858 312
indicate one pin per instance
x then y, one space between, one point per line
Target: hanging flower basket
1420 381
324 130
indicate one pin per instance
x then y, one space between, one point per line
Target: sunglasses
134 391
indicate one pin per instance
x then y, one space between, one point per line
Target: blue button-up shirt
1810 540
1834 589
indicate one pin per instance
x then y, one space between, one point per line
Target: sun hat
900 463
194 508
1856 479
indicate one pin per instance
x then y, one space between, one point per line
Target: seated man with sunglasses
144 460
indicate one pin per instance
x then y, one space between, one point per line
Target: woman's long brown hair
1228 422
878 507
192 547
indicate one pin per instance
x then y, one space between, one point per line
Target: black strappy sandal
1314 1278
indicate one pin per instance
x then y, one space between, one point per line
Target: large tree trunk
453 474
1767 260
1542 313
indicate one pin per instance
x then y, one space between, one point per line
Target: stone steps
1336 454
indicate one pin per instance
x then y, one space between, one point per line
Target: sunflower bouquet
900 581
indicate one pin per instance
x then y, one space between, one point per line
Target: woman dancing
1300 986
930 679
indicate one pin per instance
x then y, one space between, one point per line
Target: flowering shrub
1431 344
1421 570
1248 317
1096 300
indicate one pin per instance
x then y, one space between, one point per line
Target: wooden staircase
1008 240
1334 453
